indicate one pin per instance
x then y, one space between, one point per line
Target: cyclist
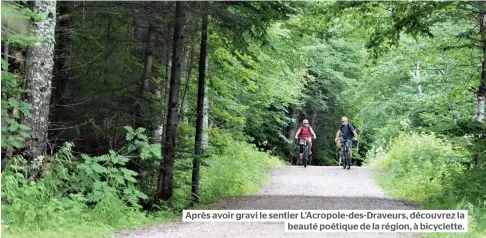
305 131
347 130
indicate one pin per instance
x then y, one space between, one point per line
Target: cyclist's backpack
357 131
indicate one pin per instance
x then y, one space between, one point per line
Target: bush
429 170
13 108
234 168
422 163
239 170
97 192
98 195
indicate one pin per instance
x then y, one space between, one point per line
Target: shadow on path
272 202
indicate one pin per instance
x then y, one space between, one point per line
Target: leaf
13 127
141 194
130 134
119 179
99 169
15 142
87 158
13 103
4 65
86 168
129 175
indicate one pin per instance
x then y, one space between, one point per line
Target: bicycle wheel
305 155
343 159
348 160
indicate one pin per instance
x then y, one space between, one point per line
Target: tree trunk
166 171
147 66
200 107
158 124
6 155
183 111
5 53
481 92
166 79
160 97
143 114
39 65
205 135
143 102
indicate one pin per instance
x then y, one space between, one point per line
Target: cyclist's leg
342 142
301 151
309 144
349 145
342 150
339 143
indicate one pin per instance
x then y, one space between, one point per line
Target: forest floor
291 188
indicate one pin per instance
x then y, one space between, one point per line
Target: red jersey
305 132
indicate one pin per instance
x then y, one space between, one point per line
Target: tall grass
234 169
99 196
431 171
72 199
240 171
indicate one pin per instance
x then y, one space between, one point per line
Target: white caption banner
343 220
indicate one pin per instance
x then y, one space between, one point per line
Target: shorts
349 142
302 145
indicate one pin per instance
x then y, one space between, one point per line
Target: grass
239 170
476 211
427 170
89 229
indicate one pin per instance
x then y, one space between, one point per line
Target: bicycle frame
344 148
305 153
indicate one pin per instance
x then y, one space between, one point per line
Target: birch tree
39 65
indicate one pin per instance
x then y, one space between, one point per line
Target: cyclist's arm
337 134
297 134
312 131
355 134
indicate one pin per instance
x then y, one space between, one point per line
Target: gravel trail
291 188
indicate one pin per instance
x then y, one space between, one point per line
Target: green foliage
239 171
96 192
15 24
254 94
243 23
431 171
13 133
386 100
422 163
99 194
139 141
267 70
233 168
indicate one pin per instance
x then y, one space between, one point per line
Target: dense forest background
117 112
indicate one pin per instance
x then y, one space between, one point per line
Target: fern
98 190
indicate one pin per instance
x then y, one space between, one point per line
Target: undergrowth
431 171
96 196
230 168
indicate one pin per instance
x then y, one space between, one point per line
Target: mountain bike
345 154
305 154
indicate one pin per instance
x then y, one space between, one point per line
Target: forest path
291 188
